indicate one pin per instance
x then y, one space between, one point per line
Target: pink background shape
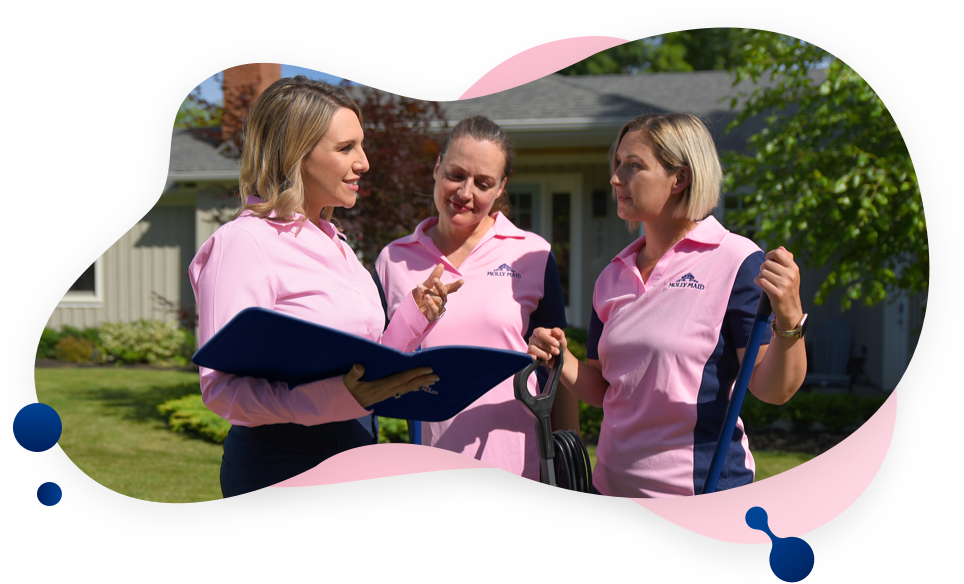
797 501
538 62
381 460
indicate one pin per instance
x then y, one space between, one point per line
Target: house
563 128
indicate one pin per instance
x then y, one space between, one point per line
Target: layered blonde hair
287 121
678 141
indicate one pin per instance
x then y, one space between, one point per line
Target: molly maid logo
504 270
687 281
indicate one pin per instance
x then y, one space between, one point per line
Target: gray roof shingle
556 109
195 155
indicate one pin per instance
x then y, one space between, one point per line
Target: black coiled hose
571 462
563 458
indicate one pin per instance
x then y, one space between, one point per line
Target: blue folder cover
269 345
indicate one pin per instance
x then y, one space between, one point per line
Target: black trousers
262 456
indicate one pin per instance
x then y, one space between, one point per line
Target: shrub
154 342
590 421
89 333
74 350
392 430
590 417
48 341
838 412
189 414
577 338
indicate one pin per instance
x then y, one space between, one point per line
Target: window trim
95 299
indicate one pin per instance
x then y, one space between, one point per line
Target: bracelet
795 333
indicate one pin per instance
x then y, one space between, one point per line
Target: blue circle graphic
49 494
37 427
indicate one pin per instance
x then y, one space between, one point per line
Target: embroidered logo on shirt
687 281
504 270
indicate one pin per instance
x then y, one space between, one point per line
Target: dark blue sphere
49 494
37 427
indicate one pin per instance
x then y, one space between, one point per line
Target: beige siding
152 257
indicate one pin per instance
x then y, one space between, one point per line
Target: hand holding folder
268 345
368 393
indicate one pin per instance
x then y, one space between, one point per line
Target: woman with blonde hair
514 288
671 318
302 157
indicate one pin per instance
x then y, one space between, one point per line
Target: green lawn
114 433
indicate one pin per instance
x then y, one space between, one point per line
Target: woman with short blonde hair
671 318
678 141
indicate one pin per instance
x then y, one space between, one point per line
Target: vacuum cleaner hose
571 462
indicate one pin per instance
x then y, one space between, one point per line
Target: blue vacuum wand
763 311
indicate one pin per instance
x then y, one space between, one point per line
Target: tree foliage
702 49
829 177
396 192
197 112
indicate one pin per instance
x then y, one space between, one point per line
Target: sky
211 87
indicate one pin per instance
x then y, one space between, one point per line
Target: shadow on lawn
141 404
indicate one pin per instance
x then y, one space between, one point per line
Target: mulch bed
53 363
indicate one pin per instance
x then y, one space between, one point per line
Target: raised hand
430 296
780 279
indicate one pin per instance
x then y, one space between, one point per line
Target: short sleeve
551 311
744 298
595 332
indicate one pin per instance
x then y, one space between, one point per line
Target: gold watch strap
794 333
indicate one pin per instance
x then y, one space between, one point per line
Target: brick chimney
242 86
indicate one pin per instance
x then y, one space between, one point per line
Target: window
522 210
561 242
87 291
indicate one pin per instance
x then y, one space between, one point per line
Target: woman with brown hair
514 287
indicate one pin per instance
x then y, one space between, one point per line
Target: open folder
269 345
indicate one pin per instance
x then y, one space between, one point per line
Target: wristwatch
796 333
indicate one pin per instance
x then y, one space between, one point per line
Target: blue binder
269 345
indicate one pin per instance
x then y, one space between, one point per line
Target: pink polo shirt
312 275
504 284
668 350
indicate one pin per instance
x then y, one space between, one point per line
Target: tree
829 177
197 112
702 49
396 192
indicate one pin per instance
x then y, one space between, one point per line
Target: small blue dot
37 427
49 494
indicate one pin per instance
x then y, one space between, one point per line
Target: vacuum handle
763 312
540 405
763 307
